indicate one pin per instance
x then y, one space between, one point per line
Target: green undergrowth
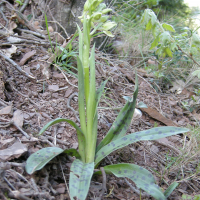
186 166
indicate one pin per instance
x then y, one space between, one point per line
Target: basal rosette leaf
151 134
39 159
80 177
123 120
139 175
80 135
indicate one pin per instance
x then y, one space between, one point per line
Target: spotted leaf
123 120
80 177
142 178
39 159
80 135
151 134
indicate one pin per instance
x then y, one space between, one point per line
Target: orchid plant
89 154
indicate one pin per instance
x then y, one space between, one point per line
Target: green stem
85 58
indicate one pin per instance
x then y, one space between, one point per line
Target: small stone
75 145
59 136
55 95
53 87
6 111
154 148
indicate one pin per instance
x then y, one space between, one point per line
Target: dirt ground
33 91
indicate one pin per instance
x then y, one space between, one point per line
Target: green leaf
155 42
80 135
91 107
108 33
81 95
168 27
39 159
142 178
165 37
196 73
108 25
149 25
123 120
170 189
100 91
80 43
80 177
72 152
168 51
151 134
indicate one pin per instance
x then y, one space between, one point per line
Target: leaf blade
39 159
151 134
142 177
80 177
80 135
123 120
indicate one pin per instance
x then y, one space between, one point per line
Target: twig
17 195
32 32
9 184
65 76
3 103
68 104
58 140
104 189
23 94
64 176
169 146
17 66
6 124
26 2
59 25
43 139
4 17
179 48
19 128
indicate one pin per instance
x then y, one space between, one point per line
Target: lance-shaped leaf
81 96
39 159
80 43
80 135
142 178
99 92
151 134
123 120
91 107
170 189
80 177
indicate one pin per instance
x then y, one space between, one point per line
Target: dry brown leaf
6 111
14 151
27 56
156 115
18 118
12 25
5 143
9 51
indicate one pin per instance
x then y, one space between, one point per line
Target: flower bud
105 11
108 25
